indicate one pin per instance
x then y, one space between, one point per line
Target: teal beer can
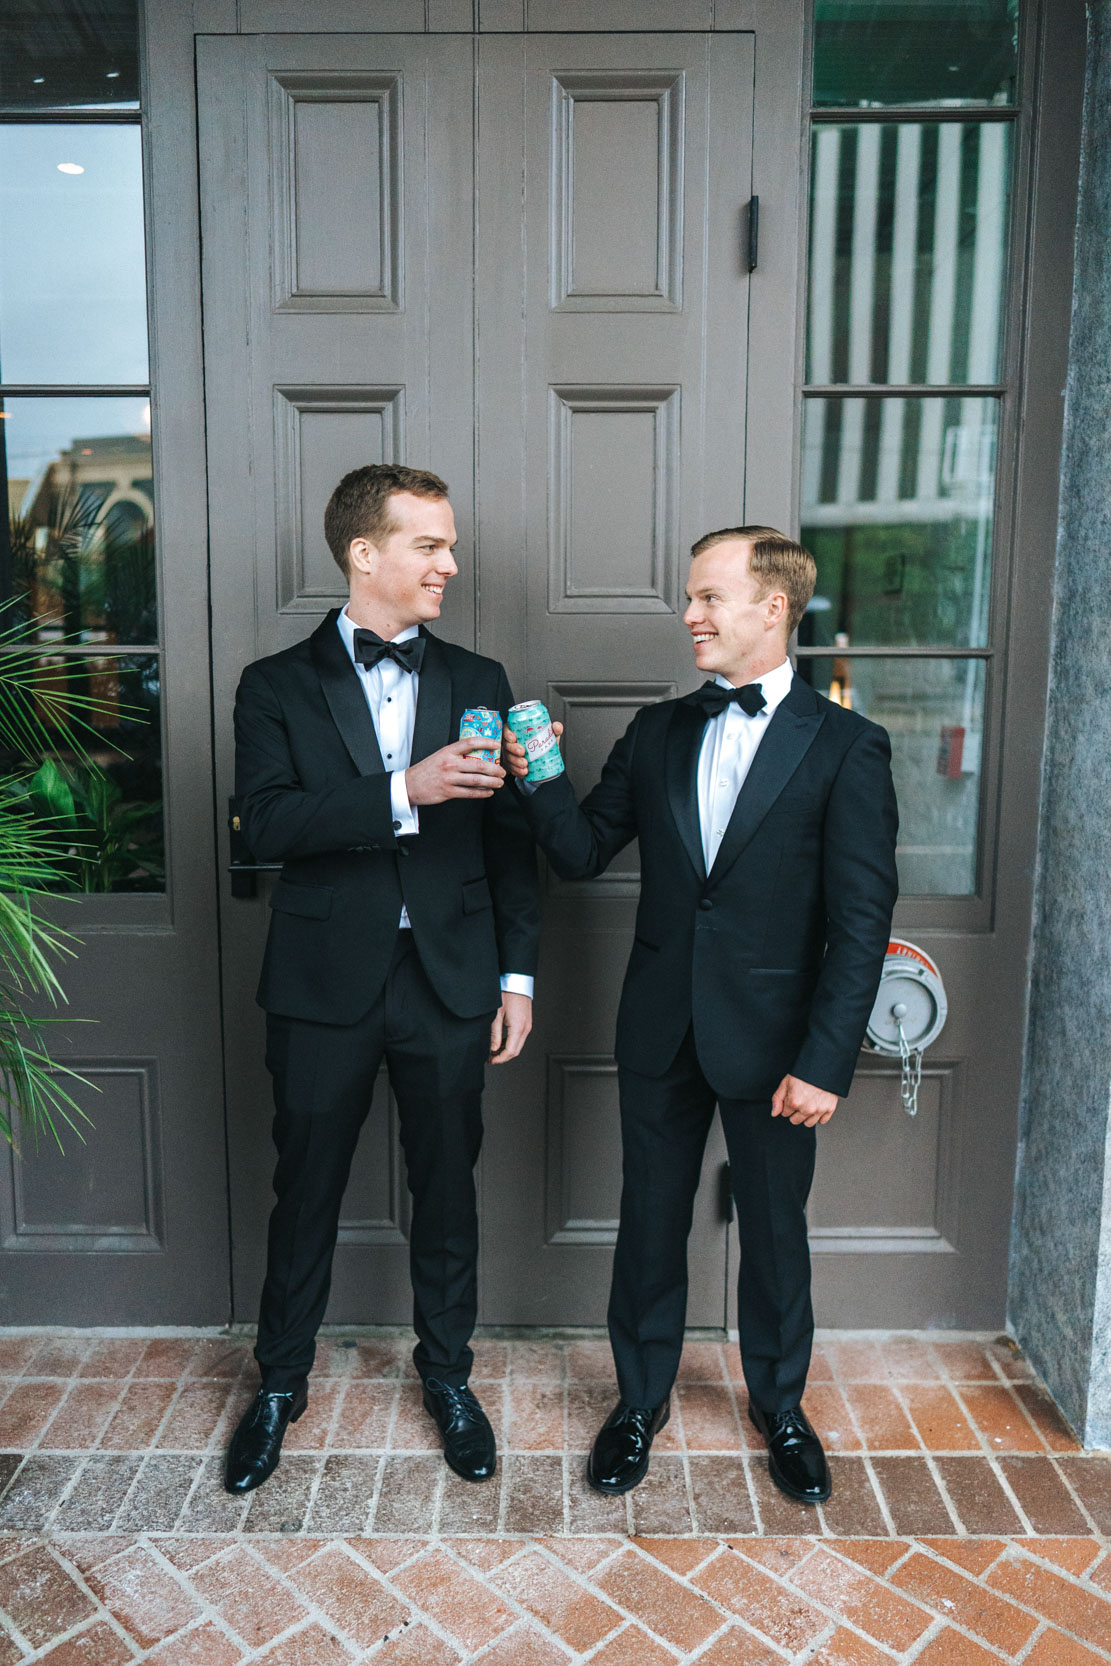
531 722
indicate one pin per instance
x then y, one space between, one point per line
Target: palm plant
39 716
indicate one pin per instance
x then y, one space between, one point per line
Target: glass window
80 551
898 502
908 238
61 55
72 278
941 52
933 709
107 804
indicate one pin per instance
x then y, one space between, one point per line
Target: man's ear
776 606
360 555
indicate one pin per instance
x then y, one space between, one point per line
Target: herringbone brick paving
966 1525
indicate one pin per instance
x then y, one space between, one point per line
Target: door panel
341 301
625 439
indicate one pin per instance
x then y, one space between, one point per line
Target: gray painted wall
1060 1287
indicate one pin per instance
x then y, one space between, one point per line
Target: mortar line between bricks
13 1631
899 1396
997 1470
1084 1579
1042 1446
79 1470
921 1644
946 1498
756 1516
1035 1637
209 1611
380 1475
1062 1475
103 1612
731 1389
1006 1597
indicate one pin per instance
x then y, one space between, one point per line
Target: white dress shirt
391 696
729 743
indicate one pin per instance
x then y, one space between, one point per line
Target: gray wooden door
352 213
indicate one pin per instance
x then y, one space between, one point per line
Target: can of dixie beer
532 725
484 725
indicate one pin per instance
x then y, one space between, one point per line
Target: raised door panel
600 362
338 332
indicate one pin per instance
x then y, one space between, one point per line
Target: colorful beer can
483 724
532 725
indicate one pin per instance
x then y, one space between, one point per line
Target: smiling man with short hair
404 927
766 819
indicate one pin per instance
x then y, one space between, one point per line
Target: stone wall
1060 1287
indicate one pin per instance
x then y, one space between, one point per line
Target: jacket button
705 902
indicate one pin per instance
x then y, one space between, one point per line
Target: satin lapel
681 768
432 728
344 694
789 737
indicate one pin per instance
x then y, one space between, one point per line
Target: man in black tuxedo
766 819
404 927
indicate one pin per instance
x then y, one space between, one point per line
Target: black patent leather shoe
796 1461
256 1444
469 1446
619 1457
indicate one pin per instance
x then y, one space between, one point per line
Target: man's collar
348 627
774 685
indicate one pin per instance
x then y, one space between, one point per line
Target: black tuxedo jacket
775 954
314 794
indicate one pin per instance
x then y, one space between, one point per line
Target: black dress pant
664 1124
324 1078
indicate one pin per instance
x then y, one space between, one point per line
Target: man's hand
513 753
512 1023
801 1103
452 772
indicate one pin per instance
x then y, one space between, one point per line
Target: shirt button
389 754
719 832
723 782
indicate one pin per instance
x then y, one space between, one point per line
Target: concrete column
1060 1286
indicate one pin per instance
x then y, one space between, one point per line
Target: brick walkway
965 1526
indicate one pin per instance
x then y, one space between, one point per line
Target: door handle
752 253
243 866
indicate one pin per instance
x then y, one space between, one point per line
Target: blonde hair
775 560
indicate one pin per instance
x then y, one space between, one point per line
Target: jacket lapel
432 728
681 769
790 734
344 694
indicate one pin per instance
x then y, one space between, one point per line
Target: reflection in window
80 551
106 805
897 509
72 277
875 52
908 237
69 54
933 709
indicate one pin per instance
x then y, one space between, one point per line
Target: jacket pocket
313 902
476 896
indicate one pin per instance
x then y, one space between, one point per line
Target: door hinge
752 253
725 1193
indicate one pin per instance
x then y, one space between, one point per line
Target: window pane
908 239
57 55
944 52
897 508
79 549
72 276
933 709
108 805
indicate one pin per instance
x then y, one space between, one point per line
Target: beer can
483 724
531 722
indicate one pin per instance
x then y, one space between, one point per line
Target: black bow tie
369 649
713 699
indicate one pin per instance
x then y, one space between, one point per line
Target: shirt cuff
516 983
405 818
527 787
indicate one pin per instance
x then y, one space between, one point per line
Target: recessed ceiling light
70 168
38 80
113 75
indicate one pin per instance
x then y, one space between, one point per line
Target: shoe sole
619 1492
785 1486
